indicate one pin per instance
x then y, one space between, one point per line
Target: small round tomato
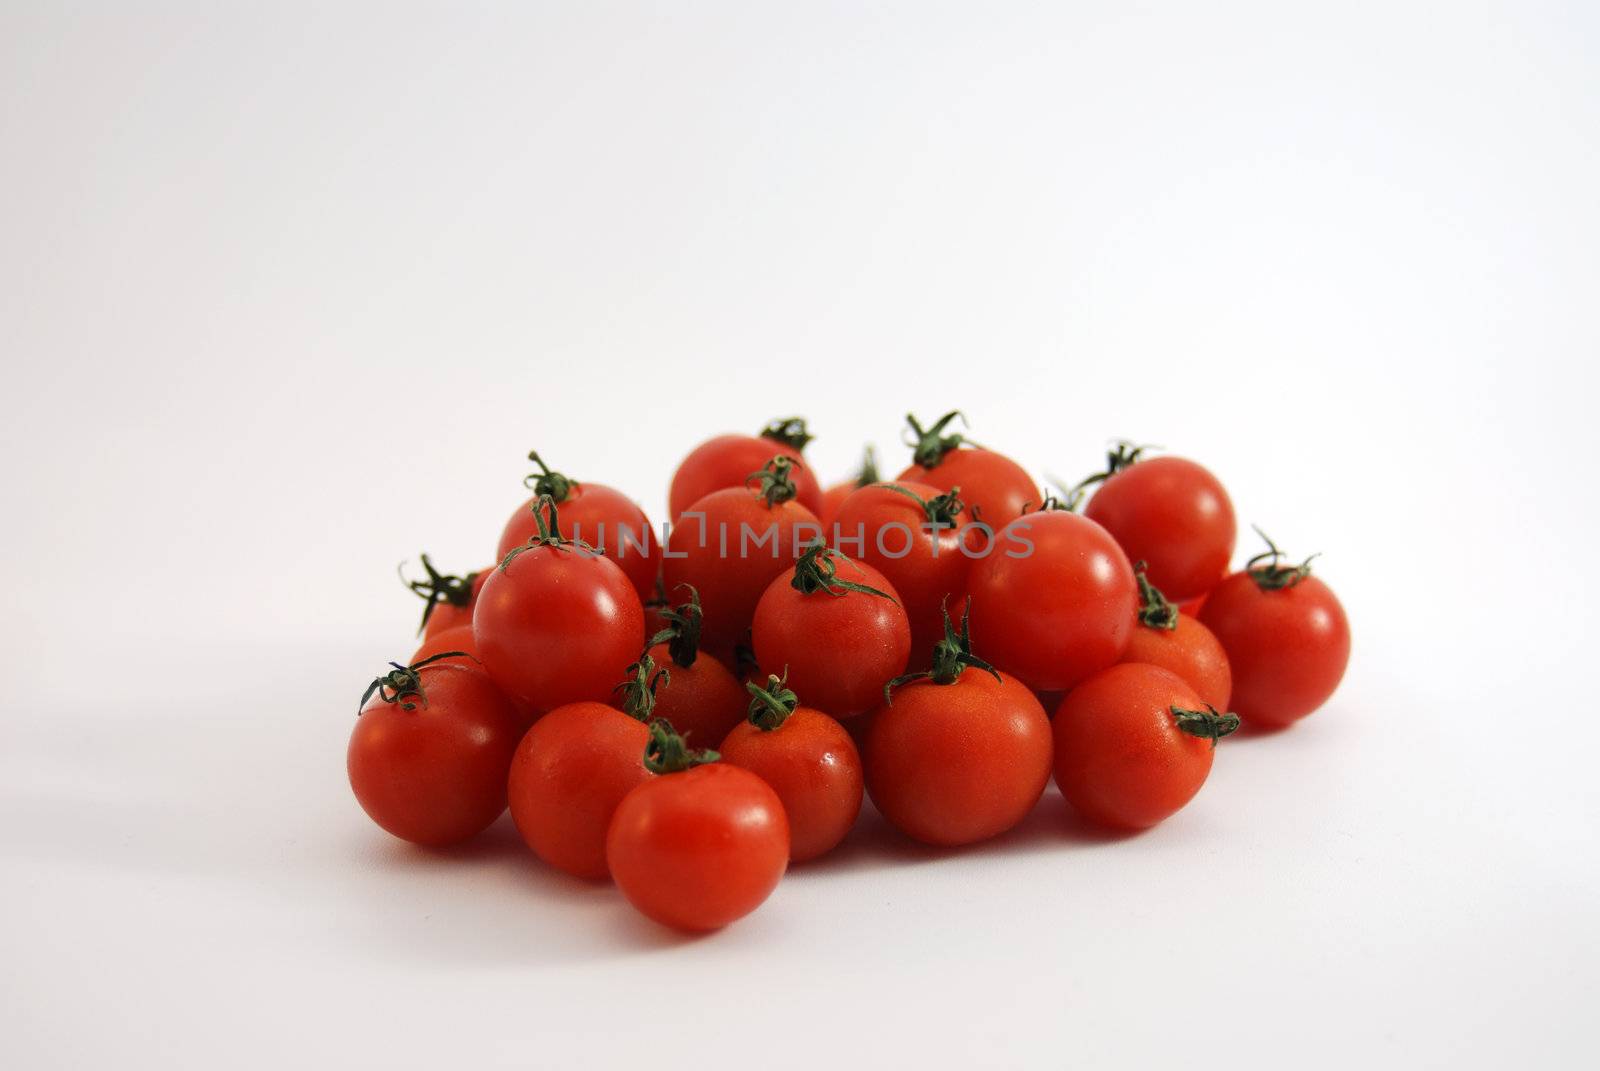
731 460
996 489
809 760
1169 512
959 754
1054 599
833 496
430 751
912 534
1133 744
592 513
458 639
570 772
699 695
836 629
1175 641
450 599
731 545
700 844
1286 635
556 623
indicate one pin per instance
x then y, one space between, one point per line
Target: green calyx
817 570
790 431
682 634
940 510
771 706
868 473
549 534
1155 610
928 446
544 482
639 688
1123 454
951 656
1270 572
774 484
403 682
667 753
437 588
1207 724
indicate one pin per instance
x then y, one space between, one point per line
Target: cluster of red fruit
941 642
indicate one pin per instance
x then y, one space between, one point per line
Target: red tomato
430 751
459 639
1286 635
836 628
555 623
960 756
697 846
700 696
450 599
741 539
1054 599
1175 641
570 772
591 513
996 489
1171 513
911 533
810 762
1133 744
833 497
729 460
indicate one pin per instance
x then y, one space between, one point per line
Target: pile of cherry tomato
687 713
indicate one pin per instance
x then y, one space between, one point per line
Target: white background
286 295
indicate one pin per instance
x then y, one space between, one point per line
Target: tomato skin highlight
1174 515
703 701
1191 652
953 764
569 774
996 489
811 762
727 461
1288 648
1120 758
731 585
1058 613
838 650
933 568
607 520
435 775
557 625
698 849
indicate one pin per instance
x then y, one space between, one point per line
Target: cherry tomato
731 551
450 599
996 489
1175 641
833 496
1286 635
962 754
1053 599
1171 513
697 846
430 751
555 623
700 696
809 760
570 772
1133 744
911 533
459 638
836 628
729 460
593 513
